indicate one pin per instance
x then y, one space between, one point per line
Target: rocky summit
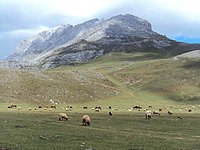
68 44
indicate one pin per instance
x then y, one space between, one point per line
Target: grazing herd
86 119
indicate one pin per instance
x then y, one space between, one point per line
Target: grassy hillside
123 78
120 80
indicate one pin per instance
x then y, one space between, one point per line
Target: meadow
41 130
120 80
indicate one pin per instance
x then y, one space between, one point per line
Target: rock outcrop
81 43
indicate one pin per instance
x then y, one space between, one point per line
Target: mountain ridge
95 37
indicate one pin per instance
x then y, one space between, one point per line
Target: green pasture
41 130
119 80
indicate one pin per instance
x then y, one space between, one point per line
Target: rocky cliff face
69 44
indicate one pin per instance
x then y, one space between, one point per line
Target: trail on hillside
121 87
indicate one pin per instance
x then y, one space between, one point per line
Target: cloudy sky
20 19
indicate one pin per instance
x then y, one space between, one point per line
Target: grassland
120 80
123 131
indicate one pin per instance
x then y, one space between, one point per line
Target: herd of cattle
86 119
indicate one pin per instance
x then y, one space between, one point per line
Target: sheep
137 107
53 106
148 114
156 113
170 113
86 120
13 106
35 108
130 109
70 107
97 110
110 113
63 116
98 107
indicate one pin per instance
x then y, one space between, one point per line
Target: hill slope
136 78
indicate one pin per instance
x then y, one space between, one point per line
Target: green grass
129 130
120 80
126 76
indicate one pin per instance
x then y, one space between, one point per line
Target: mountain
81 43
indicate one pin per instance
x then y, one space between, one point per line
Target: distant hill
84 42
192 54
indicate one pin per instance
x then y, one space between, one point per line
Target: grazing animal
110 107
137 107
86 120
12 106
85 107
63 116
156 113
190 110
160 109
110 113
148 116
170 113
98 107
70 107
97 110
53 106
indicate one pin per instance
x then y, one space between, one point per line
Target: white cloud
81 8
76 8
23 32
188 9
28 17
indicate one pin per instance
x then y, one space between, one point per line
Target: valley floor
41 130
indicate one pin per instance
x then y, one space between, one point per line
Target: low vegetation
119 80
42 131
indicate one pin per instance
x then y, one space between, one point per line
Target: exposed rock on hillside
69 44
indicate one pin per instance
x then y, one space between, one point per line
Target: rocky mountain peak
67 44
133 21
